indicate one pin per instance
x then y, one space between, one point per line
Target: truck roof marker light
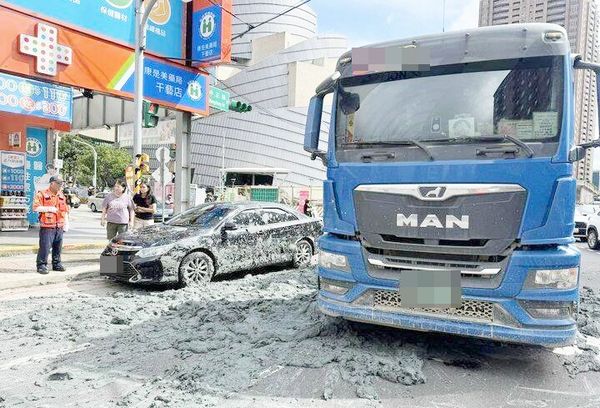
553 35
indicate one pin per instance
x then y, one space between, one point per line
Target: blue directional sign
206 38
115 20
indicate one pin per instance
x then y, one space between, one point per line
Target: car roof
250 205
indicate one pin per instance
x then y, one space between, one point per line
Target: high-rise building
580 18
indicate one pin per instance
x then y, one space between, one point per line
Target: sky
370 21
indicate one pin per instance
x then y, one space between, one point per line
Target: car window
275 216
206 216
248 218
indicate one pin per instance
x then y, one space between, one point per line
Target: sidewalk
20 270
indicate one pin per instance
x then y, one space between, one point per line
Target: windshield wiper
410 142
495 138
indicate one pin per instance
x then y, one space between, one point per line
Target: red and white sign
46 49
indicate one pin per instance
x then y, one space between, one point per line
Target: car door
281 232
242 248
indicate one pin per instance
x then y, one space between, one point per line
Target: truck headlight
333 261
151 252
553 278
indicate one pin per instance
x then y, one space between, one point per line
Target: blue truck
449 198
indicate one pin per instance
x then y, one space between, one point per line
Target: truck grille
470 309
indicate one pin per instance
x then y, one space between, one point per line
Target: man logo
194 90
207 25
432 192
432 220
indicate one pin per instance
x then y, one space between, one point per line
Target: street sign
162 154
211 31
219 99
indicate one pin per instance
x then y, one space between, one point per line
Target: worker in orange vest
51 204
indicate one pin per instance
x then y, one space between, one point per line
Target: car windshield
206 216
491 101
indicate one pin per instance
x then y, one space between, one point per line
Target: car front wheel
592 239
303 254
195 269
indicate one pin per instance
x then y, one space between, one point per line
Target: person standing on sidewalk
53 210
117 210
145 207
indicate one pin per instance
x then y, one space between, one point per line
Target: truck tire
592 239
195 269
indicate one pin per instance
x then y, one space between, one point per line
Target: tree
78 161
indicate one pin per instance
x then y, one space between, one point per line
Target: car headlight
553 278
333 261
151 252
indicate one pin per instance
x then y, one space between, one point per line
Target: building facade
278 66
580 18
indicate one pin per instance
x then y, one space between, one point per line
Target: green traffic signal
238 106
149 114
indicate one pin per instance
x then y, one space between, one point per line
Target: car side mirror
229 226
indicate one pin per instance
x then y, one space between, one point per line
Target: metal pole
142 11
163 182
95 158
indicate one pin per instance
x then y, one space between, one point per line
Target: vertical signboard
12 172
115 20
36 147
211 31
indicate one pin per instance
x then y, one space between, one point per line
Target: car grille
580 225
470 309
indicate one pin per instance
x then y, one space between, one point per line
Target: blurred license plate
111 265
430 289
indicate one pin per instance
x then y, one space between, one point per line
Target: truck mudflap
549 336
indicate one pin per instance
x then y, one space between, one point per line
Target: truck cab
449 200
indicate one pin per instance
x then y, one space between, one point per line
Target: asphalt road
460 372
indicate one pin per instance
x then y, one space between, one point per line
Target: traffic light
238 106
149 114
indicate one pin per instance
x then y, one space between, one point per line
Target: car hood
162 234
581 218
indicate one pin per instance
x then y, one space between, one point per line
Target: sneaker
43 270
58 268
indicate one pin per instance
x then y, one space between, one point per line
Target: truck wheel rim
303 253
195 270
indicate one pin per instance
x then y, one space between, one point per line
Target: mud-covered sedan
212 239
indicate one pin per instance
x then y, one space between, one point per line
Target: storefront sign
167 84
12 171
211 31
29 97
115 20
36 148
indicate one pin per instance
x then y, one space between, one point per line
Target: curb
86 273
9 250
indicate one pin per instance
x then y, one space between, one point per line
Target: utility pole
142 12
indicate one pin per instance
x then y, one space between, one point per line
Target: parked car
158 214
581 222
212 239
593 227
95 201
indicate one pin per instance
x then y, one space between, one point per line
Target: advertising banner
115 20
211 32
30 97
12 171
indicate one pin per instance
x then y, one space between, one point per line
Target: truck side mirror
313 129
578 152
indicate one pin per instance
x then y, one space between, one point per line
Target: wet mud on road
259 341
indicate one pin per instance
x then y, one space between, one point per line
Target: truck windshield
448 108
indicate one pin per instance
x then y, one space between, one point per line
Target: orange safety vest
48 199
